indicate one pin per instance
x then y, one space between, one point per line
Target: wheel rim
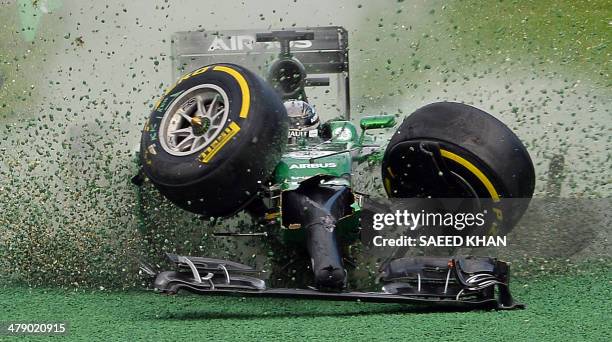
194 120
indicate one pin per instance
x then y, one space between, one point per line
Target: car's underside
216 144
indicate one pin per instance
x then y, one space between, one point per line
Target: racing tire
214 139
485 157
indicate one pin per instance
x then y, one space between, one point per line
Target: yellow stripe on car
244 88
481 176
228 133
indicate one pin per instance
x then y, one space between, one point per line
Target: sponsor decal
303 134
228 133
312 166
247 42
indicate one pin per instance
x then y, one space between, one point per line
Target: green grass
566 307
574 34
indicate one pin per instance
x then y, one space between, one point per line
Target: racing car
226 139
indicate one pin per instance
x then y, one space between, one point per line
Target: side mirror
377 121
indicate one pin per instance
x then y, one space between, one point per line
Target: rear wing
326 54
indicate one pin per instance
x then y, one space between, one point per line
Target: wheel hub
194 120
200 125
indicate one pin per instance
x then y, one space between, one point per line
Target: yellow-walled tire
213 139
484 155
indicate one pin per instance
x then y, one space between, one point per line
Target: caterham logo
312 166
245 42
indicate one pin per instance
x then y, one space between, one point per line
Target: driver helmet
302 116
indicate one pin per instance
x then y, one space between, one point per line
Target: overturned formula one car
224 140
